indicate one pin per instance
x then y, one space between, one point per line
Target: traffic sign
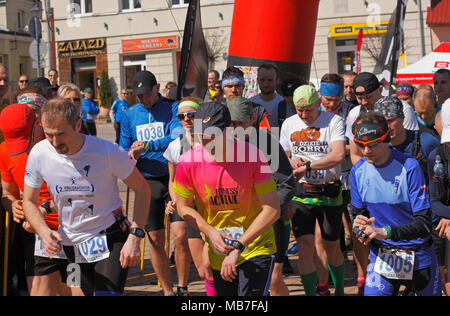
35 27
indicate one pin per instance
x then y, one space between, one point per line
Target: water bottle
438 169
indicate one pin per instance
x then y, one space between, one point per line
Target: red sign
153 43
442 64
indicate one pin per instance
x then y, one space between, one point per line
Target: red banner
358 51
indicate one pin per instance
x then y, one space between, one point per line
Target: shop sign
352 29
81 48
148 44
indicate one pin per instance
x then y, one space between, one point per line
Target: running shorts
303 217
160 195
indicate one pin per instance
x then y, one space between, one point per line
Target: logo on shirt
395 184
74 188
223 196
306 140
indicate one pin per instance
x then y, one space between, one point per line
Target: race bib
39 251
92 250
233 232
315 175
395 264
150 132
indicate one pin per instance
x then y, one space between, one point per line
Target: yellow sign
78 48
339 30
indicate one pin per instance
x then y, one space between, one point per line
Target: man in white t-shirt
314 141
268 76
368 91
81 173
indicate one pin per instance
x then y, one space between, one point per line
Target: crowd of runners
341 166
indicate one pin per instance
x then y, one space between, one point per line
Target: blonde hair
69 87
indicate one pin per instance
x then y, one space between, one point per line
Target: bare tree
217 45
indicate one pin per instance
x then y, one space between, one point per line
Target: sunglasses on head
371 143
189 115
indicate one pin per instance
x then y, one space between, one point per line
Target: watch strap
137 232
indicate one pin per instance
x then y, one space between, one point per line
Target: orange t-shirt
13 170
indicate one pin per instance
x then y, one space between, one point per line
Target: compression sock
210 288
309 283
337 275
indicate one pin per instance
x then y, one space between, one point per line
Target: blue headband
331 89
233 79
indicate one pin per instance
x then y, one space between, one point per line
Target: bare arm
355 152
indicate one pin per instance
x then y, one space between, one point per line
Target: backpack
417 152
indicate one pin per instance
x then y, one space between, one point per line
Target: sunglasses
189 115
371 143
23 81
76 99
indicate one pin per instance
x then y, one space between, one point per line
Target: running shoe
293 250
182 291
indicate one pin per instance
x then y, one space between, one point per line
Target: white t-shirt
271 107
313 142
173 151
409 122
83 186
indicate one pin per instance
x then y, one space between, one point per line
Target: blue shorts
426 281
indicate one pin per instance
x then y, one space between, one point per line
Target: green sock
309 283
337 275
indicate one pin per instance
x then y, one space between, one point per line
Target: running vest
417 152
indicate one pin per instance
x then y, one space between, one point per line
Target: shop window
128 5
345 55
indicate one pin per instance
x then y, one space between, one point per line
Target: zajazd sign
79 48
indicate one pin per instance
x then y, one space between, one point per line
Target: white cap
445 117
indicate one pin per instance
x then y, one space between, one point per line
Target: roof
440 14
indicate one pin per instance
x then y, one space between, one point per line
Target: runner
236 201
314 141
81 173
146 130
184 235
368 91
89 111
119 106
391 207
21 131
244 121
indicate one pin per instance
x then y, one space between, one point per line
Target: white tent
423 70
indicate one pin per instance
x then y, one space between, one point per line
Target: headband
331 89
367 132
188 103
32 98
233 79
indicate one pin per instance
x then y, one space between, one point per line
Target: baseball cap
143 82
212 114
40 82
87 90
241 109
370 134
445 117
389 106
16 123
305 95
368 81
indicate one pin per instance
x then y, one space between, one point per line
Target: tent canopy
423 70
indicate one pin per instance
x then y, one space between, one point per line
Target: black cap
143 82
40 82
366 80
212 114
289 85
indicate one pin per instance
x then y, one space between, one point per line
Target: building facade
126 36
15 40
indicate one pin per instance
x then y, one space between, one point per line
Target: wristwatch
137 232
46 206
237 245
308 166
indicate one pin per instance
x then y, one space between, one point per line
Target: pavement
143 282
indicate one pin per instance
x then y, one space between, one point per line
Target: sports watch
237 245
308 166
46 205
137 232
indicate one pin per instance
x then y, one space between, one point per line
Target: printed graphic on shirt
307 140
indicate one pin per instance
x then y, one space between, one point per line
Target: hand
136 150
130 255
447 232
27 227
217 239
228 271
442 227
17 209
171 207
296 163
49 242
300 172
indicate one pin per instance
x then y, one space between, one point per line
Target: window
126 5
20 20
81 7
179 3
